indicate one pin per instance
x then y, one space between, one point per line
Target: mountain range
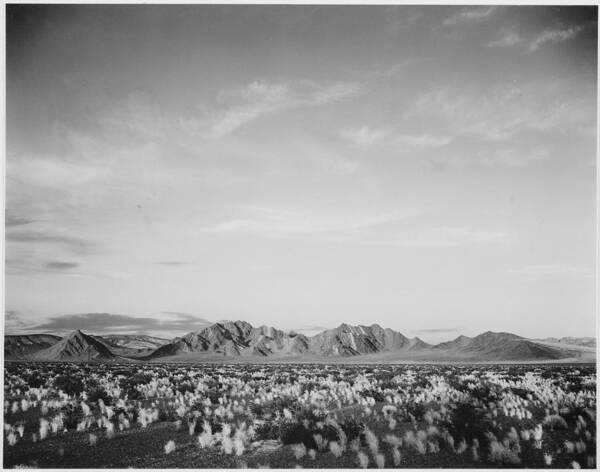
240 340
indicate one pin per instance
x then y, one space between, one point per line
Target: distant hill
132 345
77 346
585 341
239 340
20 346
460 342
490 346
133 341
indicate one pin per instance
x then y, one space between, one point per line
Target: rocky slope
21 346
237 338
346 340
77 346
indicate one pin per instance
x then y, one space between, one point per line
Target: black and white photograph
243 236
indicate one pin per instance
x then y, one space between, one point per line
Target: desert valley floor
162 415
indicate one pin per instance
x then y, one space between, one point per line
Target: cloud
435 331
437 335
282 222
59 265
13 322
492 156
509 39
513 157
104 323
554 36
364 136
75 244
469 15
499 114
395 69
444 237
554 270
423 141
11 220
399 18
308 330
172 263
31 266
260 98
384 229
57 171
311 328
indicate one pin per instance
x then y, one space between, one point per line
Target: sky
431 169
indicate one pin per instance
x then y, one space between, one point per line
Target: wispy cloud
435 331
364 136
395 69
399 18
277 222
385 229
501 113
493 156
260 98
421 141
61 265
172 263
468 15
508 39
104 323
308 330
554 36
553 270
56 171
73 243
446 237
30 264
12 220
13 322
513 157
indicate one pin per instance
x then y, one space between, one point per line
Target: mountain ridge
240 340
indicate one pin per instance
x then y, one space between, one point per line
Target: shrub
129 384
268 430
167 414
98 393
328 432
499 454
521 392
469 422
375 394
297 433
70 417
555 422
34 380
69 384
184 387
311 416
352 429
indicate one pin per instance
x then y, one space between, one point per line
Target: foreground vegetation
101 415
